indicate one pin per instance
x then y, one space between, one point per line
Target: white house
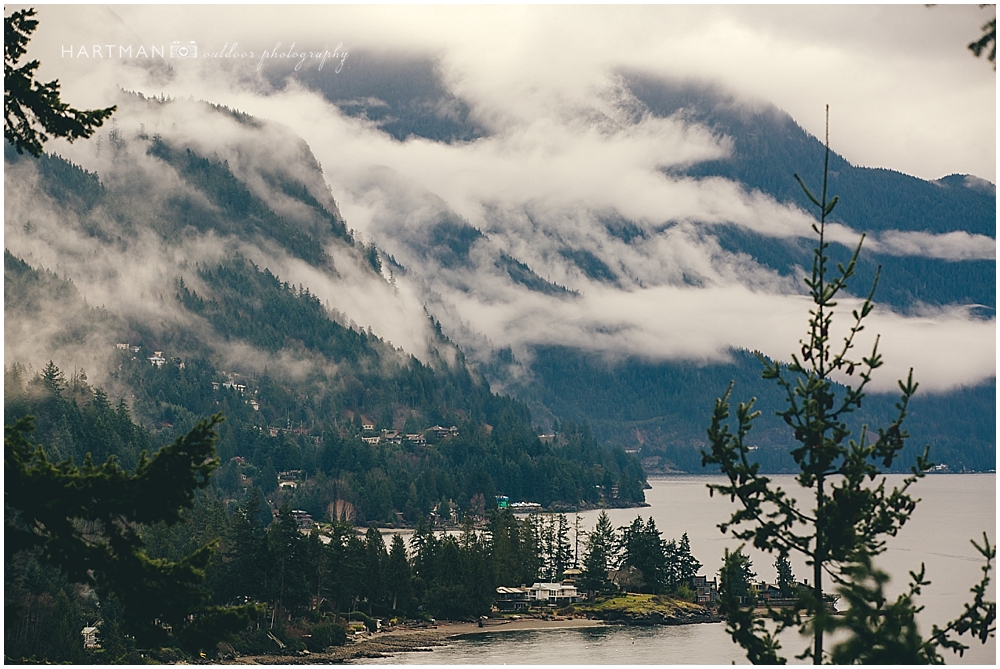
553 594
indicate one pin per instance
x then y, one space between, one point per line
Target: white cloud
947 246
566 147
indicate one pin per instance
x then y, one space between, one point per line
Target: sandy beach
418 639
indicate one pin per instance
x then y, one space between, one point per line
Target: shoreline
417 639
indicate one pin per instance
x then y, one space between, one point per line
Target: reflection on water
953 510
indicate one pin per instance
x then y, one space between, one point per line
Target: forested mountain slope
186 251
565 350
213 236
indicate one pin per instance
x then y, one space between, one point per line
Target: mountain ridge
230 206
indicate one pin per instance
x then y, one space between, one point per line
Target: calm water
953 510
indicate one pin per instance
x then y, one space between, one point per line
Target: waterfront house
705 590
511 599
766 592
553 594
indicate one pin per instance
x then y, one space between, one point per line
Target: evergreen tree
547 534
530 549
600 556
563 550
374 583
643 548
84 521
245 554
786 579
289 587
115 646
505 546
31 108
987 43
688 565
850 517
344 567
736 576
424 546
64 634
398 575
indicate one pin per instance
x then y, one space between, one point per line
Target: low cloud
947 246
567 153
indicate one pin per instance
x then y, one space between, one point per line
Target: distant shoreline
417 639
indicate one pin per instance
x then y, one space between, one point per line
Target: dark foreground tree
86 522
852 511
987 43
31 108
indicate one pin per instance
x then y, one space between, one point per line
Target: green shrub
684 592
325 635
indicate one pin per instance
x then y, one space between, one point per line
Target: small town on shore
628 576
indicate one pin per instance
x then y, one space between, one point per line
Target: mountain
933 240
189 248
214 237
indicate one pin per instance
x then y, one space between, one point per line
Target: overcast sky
905 93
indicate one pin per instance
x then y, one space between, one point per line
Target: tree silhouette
86 521
31 108
987 41
852 511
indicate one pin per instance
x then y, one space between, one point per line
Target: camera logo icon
178 50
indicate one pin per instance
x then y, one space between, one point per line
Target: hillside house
90 636
444 432
157 360
372 440
302 519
